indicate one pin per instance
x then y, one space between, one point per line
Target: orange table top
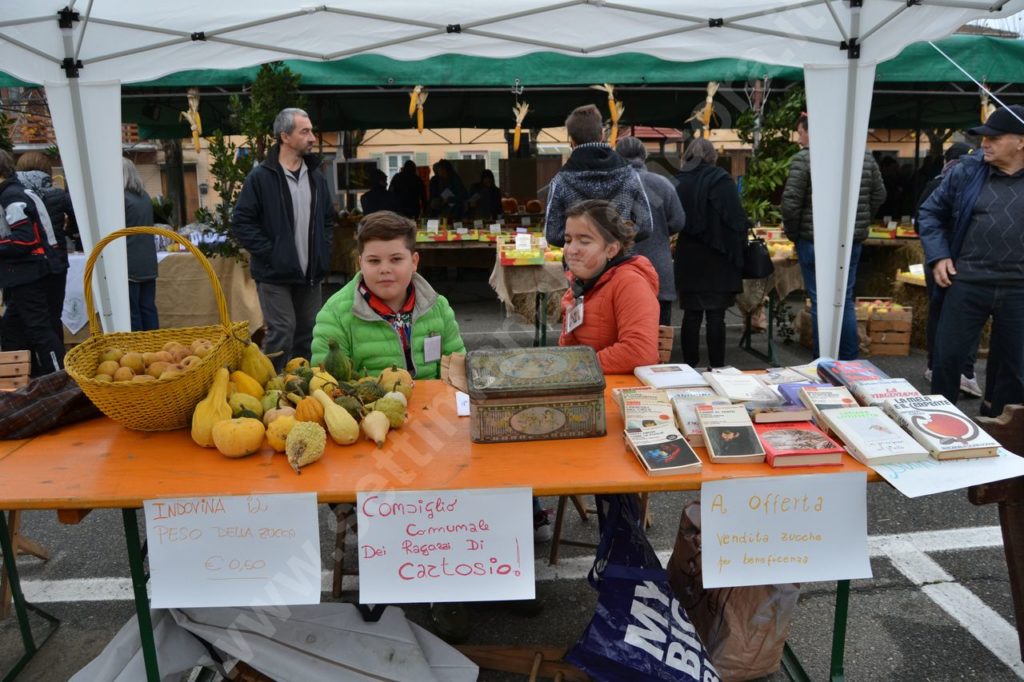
99 464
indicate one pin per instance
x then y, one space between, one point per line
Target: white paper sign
524 242
254 550
781 529
495 228
917 269
457 226
929 476
433 225
892 225
524 222
478 224
445 545
462 404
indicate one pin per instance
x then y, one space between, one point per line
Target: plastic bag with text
744 628
639 630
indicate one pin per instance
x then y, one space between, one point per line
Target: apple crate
15 367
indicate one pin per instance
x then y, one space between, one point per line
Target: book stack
729 435
685 409
740 387
798 444
669 376
872 437
937 424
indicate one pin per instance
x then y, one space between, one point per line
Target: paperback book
791 392
663 451
822 398
692 392
798 444
809 371
872 437
876 392
740 387
774 376
646 409
669 376
686 416
729 435
761 413
939 426
848 372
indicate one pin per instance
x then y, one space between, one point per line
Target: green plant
768 168
5 132
273 90
162 209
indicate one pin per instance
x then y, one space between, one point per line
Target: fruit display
174 359
296 411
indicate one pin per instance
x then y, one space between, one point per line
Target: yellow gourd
309 410
343 428
320 380
238 437
212 409
277 432
256 364
375 426
295 363
246 384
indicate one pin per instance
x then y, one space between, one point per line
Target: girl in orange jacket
612 301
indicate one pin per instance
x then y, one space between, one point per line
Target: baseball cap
1002 121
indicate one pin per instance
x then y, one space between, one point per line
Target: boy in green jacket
388 315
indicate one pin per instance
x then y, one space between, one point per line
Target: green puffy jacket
372 343
797 214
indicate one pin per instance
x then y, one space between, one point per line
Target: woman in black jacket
142 261
709 251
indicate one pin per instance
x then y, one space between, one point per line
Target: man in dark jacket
27 257
971 229
410 190
798 223
284 217
594 171
378 198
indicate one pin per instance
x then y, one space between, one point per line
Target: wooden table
99 464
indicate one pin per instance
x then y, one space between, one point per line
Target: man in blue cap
972 231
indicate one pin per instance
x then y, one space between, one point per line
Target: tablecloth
785 280
517 286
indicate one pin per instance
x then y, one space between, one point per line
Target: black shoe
451 621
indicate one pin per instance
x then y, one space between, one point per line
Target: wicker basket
164 404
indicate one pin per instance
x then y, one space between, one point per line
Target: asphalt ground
937 608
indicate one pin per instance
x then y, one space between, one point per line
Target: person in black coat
447 193
709 251
141 249
485 197
407 186
378 198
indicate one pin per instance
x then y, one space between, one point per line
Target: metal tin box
522 394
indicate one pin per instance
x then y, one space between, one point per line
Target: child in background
388 315
612 302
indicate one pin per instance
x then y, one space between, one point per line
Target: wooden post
21 545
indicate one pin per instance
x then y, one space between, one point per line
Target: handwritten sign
451 545
929 476
433 225
255 550
782 529
524 242
495 228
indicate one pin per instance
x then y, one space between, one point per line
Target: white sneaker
927 375
970 386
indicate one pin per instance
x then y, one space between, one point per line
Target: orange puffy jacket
620 317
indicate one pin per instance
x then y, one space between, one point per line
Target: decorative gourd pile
297 410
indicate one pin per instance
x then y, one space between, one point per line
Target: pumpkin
534 206
238 437
509 205
309 409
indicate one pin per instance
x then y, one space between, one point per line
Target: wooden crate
15 366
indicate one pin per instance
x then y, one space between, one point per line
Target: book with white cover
669 376
729 435
808 371
774 376
939 426
872 437
740 387
691 392
686 416
877 391
821 398
645 409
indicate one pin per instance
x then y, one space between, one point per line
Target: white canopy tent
83 53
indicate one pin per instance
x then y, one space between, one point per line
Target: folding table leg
131 536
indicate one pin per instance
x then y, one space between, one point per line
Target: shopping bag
757 261
744 628
639 631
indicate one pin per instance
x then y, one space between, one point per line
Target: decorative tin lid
555 370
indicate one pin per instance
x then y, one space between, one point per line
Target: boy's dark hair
606 218
584 124
384 226
30 161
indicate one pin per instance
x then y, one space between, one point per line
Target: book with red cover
849 372
798 444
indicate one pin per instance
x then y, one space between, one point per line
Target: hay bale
878 263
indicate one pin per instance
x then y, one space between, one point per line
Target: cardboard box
546 393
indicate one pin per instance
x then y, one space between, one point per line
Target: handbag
639 630
757 262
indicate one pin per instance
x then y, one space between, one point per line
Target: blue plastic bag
639 630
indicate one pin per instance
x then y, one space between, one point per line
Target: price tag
892 225
521 230
917 269
524 242
433 225
495 228
525 221
461 230
478 224
457 226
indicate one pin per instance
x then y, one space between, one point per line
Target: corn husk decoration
192 116
417 98
413 97
519 111
706 113
615 110
987 108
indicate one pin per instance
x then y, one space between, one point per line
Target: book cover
774 376
669 376
848 372
740 387
770 414
798 444
727 369
940 427
808 371
619 394
872 437
822 398
686 416
791 392
729 435
877 391
645 409
692 392
663 451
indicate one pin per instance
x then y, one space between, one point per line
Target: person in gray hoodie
667 217
594 171
141 248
